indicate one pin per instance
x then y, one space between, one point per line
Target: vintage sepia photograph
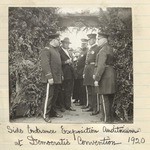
71 65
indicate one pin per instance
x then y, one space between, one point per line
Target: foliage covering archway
28 32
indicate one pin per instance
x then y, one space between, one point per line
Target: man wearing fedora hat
68 72
51 75
105 77
88 74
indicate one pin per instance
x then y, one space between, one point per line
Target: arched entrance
28 29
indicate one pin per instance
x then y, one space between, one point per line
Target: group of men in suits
92 74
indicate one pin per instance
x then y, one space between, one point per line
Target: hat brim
91 38
53 36
84 40
103 35
66 42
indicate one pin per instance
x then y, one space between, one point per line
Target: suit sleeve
45 64
84 70
84 65
72 56
101 59
62 61
62 74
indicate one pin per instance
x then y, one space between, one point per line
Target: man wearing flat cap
51 75
88 74
68 72
105 77
80 93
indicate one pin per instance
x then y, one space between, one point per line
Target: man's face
56 42
101 40
84 45
65 45
92 41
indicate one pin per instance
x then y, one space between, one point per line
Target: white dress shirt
66 51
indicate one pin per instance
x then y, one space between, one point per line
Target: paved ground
77 116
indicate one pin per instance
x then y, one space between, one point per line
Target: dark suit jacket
104 71
68 69
89 68
51 65
81 63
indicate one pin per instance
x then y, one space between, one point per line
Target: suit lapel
70 54
100 47
62 51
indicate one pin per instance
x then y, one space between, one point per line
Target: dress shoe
47 119
88 110
108 122
75 101
71 109
78 104
84 107
58 115
94 113
62 109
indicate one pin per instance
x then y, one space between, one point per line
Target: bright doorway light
75 35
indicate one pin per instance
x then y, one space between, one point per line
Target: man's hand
51 81
94 77
96 83
62 77
83 76
69 61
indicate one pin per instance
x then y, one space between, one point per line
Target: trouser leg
94 99
61 97
81 92
55 96
89 90
98 102
76 88
111 100
101 107
48 100
68 86
107 101
87 96
84 96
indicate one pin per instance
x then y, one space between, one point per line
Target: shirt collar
92 45
103 44
65 49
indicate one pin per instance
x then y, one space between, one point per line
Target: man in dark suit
68 72
51 75
88 74
81 91
105 77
